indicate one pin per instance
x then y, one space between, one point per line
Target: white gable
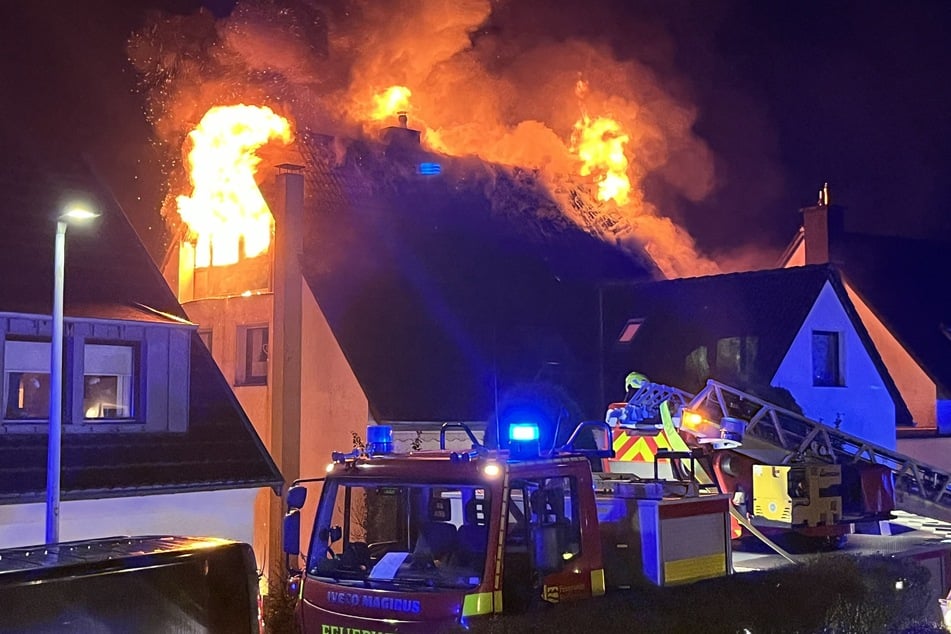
862 403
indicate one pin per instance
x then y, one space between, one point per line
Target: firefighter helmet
634 380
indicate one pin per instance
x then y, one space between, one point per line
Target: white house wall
332 402
227 514
863 404
223 316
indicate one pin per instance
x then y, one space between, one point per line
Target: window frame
244 375
136 382
838 380
6 384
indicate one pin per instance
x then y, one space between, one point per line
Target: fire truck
419 541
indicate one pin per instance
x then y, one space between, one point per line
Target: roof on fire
110 275
445 290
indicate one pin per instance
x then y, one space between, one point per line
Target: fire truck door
542 536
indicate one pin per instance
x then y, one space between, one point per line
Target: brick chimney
402 135
822 225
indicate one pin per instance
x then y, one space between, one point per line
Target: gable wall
332 402
916 388
864 405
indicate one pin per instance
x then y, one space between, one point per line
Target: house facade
394 295
902 293
153 441
789 336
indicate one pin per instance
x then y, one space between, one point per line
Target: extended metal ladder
919 488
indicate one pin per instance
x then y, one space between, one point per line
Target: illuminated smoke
473 91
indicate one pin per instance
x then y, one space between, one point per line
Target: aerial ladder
723 417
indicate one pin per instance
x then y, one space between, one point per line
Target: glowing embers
226 213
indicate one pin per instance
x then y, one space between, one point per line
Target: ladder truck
786 474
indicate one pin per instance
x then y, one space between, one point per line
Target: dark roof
907 284
681 315
444 290
108 267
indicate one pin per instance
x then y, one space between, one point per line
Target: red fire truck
419 541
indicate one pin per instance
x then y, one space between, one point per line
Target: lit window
826 360
629 330
108 381
27 379
252 355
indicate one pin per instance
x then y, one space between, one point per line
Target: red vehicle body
423 541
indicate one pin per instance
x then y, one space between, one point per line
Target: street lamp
72 213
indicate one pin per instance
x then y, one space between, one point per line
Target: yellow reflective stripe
498 601
695 568
478 603
597 582
676 442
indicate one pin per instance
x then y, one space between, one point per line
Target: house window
697 367
26 380
629 330
826 359
205 336
108 381
252 356
736 357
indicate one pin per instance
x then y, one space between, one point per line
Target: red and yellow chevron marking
637 448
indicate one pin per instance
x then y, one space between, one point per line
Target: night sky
788 95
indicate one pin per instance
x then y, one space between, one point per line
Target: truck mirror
330 534
296 496
292 532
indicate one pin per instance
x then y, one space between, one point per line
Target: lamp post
53 458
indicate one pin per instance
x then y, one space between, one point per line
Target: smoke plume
476 90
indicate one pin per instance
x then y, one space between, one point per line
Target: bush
835 594
279 606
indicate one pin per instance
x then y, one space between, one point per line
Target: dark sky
789 95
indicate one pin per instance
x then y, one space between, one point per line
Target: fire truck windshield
400 535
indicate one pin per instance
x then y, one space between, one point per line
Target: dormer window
118 375
108 381
26 380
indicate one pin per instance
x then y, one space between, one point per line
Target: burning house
403 287
415 275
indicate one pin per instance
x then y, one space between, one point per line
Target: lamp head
78 212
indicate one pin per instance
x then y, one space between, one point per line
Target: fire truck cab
417 541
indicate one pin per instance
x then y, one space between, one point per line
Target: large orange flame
391 101
599 143
226 209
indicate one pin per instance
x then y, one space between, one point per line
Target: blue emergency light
379 439
429 169
523 432
523 441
